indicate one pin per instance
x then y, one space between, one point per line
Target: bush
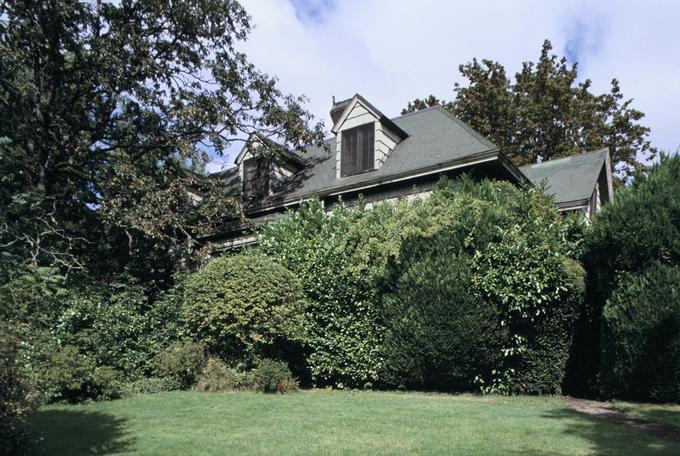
120 325
274 377
347 260
149 385
16 401
71 376
180 363
245 307
640 230
641 337
334 256
217 376
439 333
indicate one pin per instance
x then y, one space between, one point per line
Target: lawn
332 422
668 414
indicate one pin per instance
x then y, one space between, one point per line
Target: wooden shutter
358 146
366 133
256 177
349 159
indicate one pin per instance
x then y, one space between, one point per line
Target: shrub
181 363
348 259
333 256
245 307
640 230
439 333
16 401
149 385
120 325
641 337
69 375
217 376
274 377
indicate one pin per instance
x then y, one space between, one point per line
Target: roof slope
569 179
435 138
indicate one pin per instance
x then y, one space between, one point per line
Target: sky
392 51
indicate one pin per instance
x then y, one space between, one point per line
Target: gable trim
375 112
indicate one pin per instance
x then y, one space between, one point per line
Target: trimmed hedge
244 307
641 337
638 232
440 334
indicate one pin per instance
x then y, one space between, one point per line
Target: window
256 177
357 150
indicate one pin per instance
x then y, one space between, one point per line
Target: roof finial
333 99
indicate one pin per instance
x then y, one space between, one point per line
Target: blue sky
394 51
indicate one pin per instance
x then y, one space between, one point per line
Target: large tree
547 113
109 109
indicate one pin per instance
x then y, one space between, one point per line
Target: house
382 159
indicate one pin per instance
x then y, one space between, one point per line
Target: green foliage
347 260
245 307
640 230
149 385
217 376
546 113
16 395
107 110
181 363
274 377
641 336
334 256
439 333
643 227
69 375
120 325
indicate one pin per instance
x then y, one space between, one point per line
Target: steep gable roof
572 179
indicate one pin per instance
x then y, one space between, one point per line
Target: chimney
338 108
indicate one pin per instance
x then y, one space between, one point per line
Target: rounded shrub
245 307
180 363
641 337
440 334
274 377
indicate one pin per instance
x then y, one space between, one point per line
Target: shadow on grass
613 438
75 432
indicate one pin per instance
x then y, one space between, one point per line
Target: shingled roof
571 180
436 141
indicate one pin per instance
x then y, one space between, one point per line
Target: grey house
388 159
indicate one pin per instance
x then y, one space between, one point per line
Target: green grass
331 422
668 414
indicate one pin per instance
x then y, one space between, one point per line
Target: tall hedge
641 336
244 307
440 334
519 253
640 230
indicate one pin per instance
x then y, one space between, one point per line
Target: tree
109 110
546 113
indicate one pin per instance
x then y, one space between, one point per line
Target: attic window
358 147
256 173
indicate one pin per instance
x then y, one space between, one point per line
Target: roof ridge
568 157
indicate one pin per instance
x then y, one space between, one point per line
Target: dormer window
256 176
358 149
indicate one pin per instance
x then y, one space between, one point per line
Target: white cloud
394 51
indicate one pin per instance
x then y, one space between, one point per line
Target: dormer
264 167
364 136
